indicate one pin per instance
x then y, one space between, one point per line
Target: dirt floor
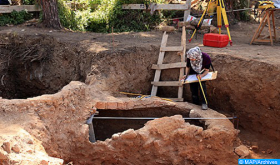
37 61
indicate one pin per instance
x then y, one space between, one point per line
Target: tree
50 14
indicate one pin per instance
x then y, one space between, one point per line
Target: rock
203 31
209 146
7 147
213 29
242 151
195 22
269 151
16 148
255 147
44 162
190 27
129 134
30 141
3 155
115 136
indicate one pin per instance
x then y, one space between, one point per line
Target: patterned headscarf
195 53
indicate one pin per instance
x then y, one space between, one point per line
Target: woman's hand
184 77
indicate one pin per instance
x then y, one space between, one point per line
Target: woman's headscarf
195 53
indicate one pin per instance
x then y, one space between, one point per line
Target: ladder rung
259 40
169 66
176 99
172 48
167 83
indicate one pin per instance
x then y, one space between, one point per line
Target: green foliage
29 2
109 14
75 20
105 15
243 15
15 17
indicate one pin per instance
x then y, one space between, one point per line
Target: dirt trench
252 96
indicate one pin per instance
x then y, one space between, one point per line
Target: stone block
122 105
112 105
242 151
129 134
130 104
7 147
100 105
16 148
3 155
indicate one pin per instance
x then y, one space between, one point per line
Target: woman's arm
206 71
187 73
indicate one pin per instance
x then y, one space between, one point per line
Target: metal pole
91 129
151 118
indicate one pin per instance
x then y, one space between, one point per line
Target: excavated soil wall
41 64
36 65
248 88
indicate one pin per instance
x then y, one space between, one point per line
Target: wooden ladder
159 66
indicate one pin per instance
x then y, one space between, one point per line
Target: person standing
198 63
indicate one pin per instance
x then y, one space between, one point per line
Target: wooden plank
186 14
269 29
183 59
173 7
9 9
169 66
158 6
167 83
264 23
133 6
273 23
259 40
257 33
160 60
172 48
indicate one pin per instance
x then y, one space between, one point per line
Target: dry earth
37 61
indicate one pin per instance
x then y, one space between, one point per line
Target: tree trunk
50 14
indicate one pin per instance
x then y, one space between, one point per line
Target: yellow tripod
220 11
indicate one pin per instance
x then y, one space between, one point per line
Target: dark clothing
194 87
4 2
205 63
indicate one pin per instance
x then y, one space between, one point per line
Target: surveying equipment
264 5
202 90
220 11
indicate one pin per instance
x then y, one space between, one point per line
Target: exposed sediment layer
58 121
248 88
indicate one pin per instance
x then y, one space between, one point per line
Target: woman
198 63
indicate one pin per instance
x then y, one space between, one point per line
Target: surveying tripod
220 11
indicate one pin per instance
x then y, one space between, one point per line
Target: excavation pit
59 117
117 121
